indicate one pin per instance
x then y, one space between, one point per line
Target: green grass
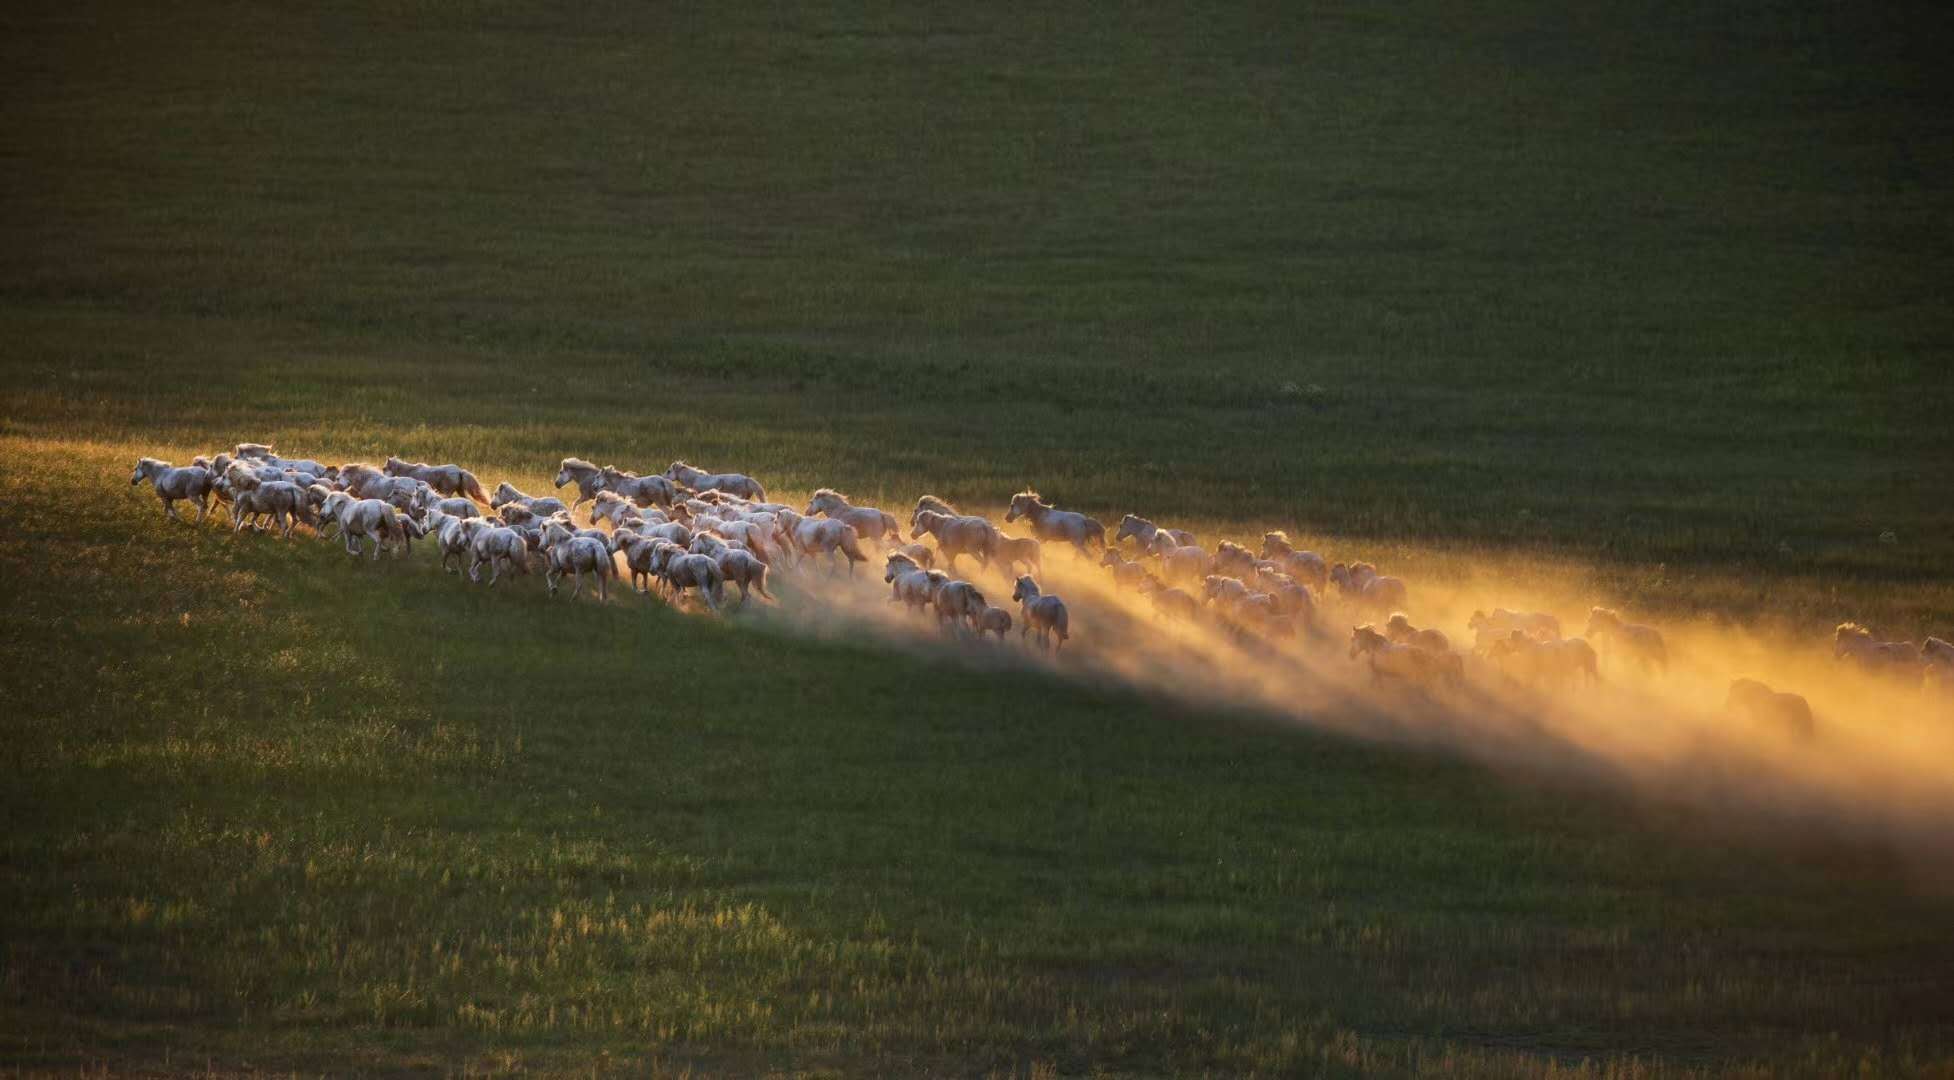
1658 292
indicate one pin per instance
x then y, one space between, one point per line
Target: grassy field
1656 291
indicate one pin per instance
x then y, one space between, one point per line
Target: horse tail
760 582
1098 532
473 487
759 494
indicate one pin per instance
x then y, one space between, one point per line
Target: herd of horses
687 531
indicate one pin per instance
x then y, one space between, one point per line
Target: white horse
935 506
507 495
1305 566
919 554
428 499
810 537
1643 643
911 584
653 490
286 503
588 478
450 480
1399 630
956 536
1045 614
1171 602
1012 550
1234 560
192 482
566 552
699 572
1851 641
743 568
958 603
1180 563
870 523
495 546
1495 625
453 535
611 508
1127 573
1402 662
994 620
363 519
1048 523
367 482
1368 593
700 480
1143 531
1552 663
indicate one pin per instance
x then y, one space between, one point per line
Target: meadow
1650 298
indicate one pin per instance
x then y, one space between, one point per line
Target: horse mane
818 492
1852 628
579 463
1029 493
1278 535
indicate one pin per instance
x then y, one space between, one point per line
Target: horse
450 480
1760 704
994 620
958 602
1399 630
699 480
935 506
956 536
495 545
911 584
699 572
284 501
192 482
507 495
1533 661
588 478
870 523
653 490
1143 532
1048 523
1853 642
810 537
566 552
1302 565
1402 662
1171 602
1233 560
1043 613
361 519
1644 643
1127 573
1012 550
1488 627
1180 562
1369 593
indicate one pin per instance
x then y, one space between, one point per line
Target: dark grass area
1658 290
